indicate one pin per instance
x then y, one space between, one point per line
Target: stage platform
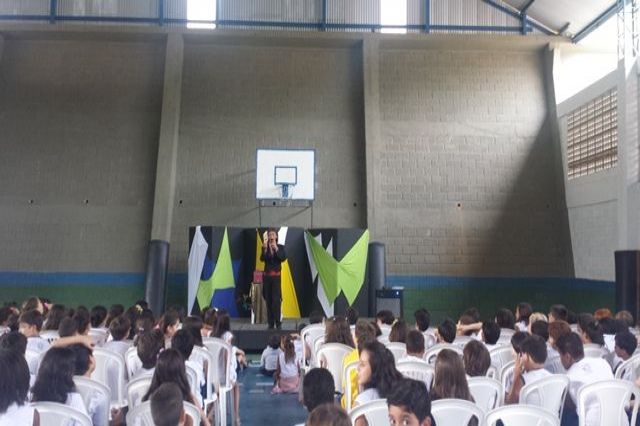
253 337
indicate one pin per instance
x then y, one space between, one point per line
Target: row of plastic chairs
612 396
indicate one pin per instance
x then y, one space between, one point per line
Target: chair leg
222 403
232 406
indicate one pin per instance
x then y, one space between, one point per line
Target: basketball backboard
285 174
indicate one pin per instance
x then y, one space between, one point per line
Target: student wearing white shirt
119 331
625 346
581 371
149 345
317 389
183 342
476 359
30 324
269 358
14 387
490 334
288 373
415 347
529 367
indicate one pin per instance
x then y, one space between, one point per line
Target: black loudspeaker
155 283
628 281
377 273
389 300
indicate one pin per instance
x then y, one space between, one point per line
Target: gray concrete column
165 186
1 47
371 81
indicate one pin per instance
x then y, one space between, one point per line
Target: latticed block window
592 136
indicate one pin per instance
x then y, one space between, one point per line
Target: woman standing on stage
273 255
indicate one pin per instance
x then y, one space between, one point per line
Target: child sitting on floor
269 358
287 376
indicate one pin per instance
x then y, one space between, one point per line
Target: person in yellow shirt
365 333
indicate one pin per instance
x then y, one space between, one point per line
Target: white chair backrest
330 356
488 393
132 361
55 414
522 415
308 336
33 360
110 371
199 355
501 356
87 388
429 339
554 365
548 393
49 335
383 338
221 353
192 376
455 412
99 336
592 350
376 413
431 354
385 329
505 336
317 342
141 414
136 389
349 370
493 373
417 370
612 396
629 369
398 349
461 341
506 375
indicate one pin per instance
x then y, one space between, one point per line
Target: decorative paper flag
289 307
322 297
259 263
221 279
197 254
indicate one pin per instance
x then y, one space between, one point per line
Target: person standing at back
273 255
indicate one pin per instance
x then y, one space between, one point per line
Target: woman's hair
328 415
98 316
55 376
538 316
193 325
476 358
54 316
450 380
602 313
145 321
337 330
168 319
209 317
114 312
274 341
399 332
82 317
14 385
31 303
223 324
119 327
170 368
594 334
584 319
524 312
505 319
384 374
365 333
149 346
467 320
289 349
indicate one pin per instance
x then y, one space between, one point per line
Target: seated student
523 313
98 317
329 415
82 317
169 325
490 334
54 382
119 331
557 329
516 343
399 332
269 358
167 408
415 347
536 316
385 317
409 404
449 380
54 316
97 405
287 375
558 313
467 326
581 371
365 333
423 319
627 319
209 318
183 342
149 346
16 341
317 388
540 328
592 334
626 344
505 319
611 327
446 332
114 311
476 359
14 387
337 330
376 372
352 316
171 369
529 367
30 324
67 327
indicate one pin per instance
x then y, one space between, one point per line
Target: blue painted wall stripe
9 278
432 281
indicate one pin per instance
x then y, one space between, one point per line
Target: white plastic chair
505 336
346 383
133 362
506 375
612 396
55 414
548 393
87 388
522 415
429 339
110 371
488 393
202 356
376 413
417 370
461 341
99 336
592 350
136 389
493 373
455 412
554 365
50 335
192 376
398 349
384 339
330 356
501 356
308 335
220 375
141 415
431 355
630 368
33 360
317 342
385 329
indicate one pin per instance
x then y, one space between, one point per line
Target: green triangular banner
352 267
222 276
327 268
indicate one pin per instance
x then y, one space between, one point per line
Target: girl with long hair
337 330
287 375
450 380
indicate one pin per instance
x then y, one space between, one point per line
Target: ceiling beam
599 20
527 6
518 15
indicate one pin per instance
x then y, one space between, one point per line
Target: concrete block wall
467 182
